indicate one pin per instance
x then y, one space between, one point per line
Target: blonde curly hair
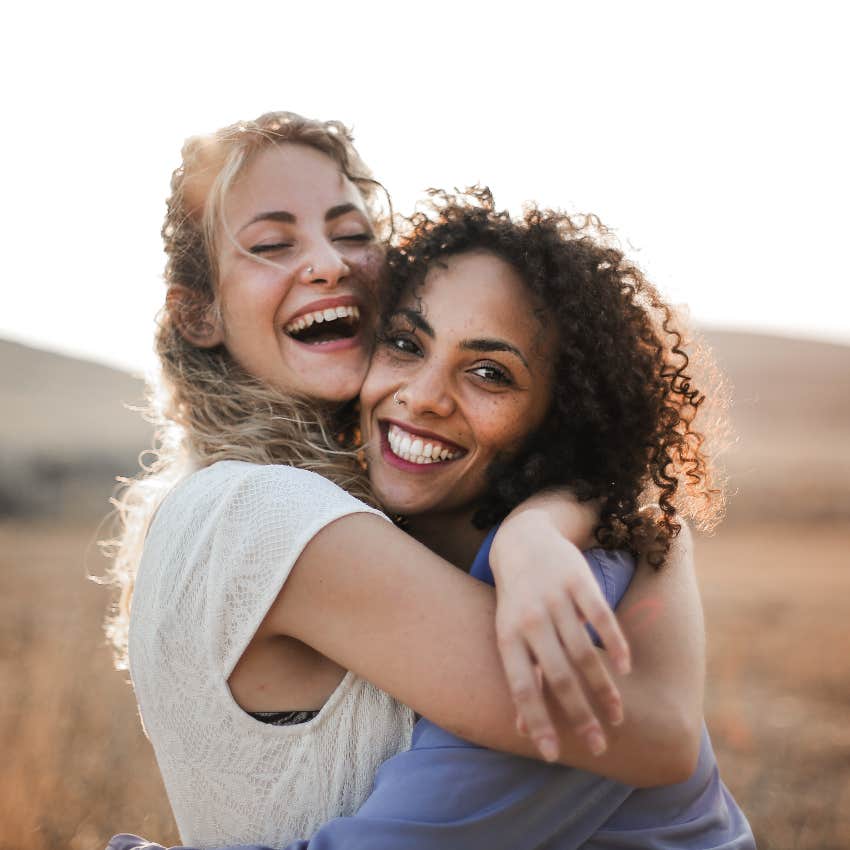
204 406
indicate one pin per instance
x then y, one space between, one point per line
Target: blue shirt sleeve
446 793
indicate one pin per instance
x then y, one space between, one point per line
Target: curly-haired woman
477 396
260 583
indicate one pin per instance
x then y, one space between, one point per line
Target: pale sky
711 137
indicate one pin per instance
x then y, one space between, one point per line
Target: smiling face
462 376
297 271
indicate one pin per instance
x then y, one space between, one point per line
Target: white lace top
216 556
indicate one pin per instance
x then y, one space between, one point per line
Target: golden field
775 581
77 767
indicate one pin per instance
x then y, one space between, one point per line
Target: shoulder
252 490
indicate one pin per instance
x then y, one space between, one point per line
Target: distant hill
66 431
791 415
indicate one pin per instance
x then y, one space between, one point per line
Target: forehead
477 291
292 178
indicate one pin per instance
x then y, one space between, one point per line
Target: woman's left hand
546 596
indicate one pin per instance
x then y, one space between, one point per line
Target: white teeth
414 449
331 314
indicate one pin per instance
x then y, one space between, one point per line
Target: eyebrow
289 218
338 210
416 319
493 345
482 345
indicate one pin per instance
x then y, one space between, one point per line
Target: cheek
251 287
376 387
502 426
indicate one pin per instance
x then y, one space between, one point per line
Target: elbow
674 749
683 754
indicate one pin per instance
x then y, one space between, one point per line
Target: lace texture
218 552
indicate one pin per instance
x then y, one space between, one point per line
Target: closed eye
355 237
265 249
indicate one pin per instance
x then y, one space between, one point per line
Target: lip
355 341
324 304
420 432
403 465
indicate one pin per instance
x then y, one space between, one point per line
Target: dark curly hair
620 427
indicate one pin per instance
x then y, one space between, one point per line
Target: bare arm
661 616
378 603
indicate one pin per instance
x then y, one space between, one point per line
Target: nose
427 393
323 265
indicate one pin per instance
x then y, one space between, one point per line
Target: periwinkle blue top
445 793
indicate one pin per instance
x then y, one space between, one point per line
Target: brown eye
401 343
493 374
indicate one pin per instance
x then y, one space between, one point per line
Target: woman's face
303 322
463 375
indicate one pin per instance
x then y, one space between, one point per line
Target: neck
450 535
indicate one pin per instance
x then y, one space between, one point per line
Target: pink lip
420 432
405 465
328 347
324 304
355 341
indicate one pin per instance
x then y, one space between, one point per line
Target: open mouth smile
410 449
324 326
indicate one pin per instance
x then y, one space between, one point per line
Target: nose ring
396 399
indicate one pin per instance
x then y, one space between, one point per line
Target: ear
197 319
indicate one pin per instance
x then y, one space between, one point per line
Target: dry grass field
775 582
77 767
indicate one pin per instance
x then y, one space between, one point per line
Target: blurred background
712 141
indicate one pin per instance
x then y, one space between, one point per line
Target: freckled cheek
502 426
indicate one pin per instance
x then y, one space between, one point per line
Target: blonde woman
263 589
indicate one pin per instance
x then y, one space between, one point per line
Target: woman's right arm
378 603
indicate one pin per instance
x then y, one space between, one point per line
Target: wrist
558 509
530 532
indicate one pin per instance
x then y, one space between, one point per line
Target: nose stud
309 270
396 399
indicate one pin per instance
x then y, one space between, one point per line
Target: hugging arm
505 803
661 616
389 607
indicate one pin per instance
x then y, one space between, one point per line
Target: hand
546 594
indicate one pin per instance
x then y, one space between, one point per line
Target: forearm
555 508
661 615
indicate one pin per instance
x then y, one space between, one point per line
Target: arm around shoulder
375 601
661 615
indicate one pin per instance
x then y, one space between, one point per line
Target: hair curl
204 406
620 427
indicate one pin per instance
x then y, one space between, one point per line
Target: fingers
532 714
589 666
566 677
596 611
